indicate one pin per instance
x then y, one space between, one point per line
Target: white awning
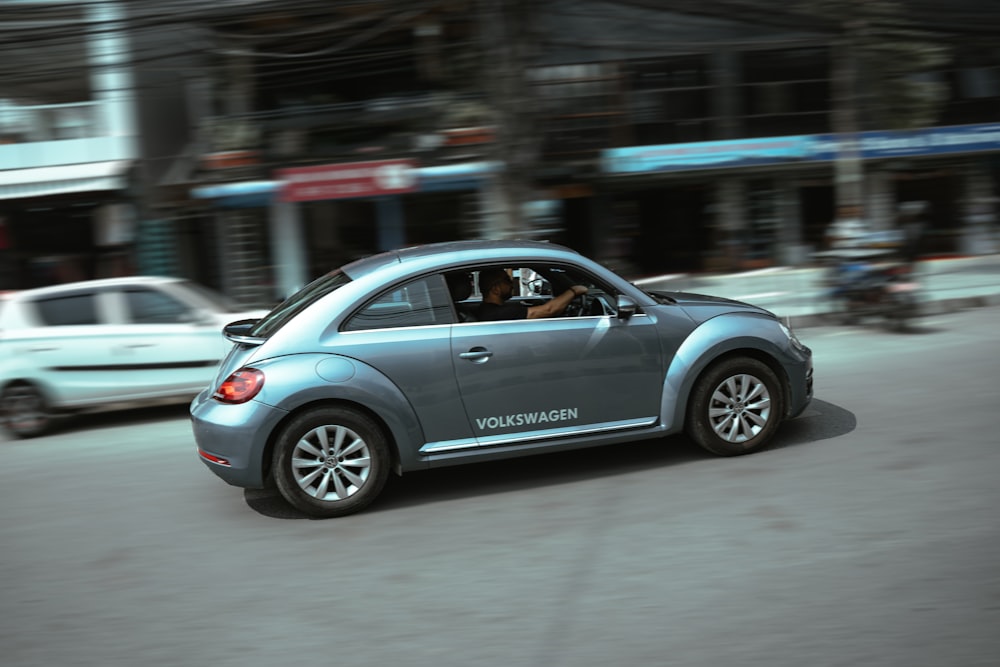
63 179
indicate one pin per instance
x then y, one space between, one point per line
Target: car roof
459 252
94 284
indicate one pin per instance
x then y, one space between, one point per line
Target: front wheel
331 461
735 407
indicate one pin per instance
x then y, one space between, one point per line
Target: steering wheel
582 304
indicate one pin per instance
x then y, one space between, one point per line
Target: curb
930 262
927 309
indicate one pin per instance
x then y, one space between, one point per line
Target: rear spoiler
239 332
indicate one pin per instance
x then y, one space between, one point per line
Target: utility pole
505 31
848 167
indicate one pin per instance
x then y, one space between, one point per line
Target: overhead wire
138 54
348 59
147 20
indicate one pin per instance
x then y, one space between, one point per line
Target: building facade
293 140
68 145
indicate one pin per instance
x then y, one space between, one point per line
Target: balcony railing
50 122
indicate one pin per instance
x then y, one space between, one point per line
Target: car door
529 379
73 348
405 334
167 346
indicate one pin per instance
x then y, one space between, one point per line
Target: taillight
240 387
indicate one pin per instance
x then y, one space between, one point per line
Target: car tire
901 313
735 407
331 461
24 410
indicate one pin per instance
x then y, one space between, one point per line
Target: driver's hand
579 289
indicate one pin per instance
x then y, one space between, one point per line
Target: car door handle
135 346
476 354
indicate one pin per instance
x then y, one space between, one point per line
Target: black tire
903 312
340 476
24 410
899 322
726 415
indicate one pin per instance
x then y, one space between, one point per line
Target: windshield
216 300
298 302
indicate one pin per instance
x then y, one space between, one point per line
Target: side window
69 310
544 282
421 302
533 283
147 306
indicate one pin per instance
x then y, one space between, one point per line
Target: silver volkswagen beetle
385 366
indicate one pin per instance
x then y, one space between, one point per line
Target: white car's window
419 303
147 306
68 310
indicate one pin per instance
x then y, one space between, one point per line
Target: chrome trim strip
251 340
509 438
409 326
449 445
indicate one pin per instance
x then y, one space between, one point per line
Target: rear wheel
24 410
735 407
331 461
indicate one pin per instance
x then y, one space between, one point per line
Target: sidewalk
797 293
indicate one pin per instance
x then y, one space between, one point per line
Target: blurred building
68 144
280 139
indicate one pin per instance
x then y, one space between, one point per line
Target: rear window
420 303
295 304
68 310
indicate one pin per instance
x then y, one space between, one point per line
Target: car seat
460 287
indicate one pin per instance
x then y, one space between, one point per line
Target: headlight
792 338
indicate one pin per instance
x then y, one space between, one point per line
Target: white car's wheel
331 461
24 410
735 407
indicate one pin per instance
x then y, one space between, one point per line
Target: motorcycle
861 288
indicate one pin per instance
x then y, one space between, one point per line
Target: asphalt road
867 536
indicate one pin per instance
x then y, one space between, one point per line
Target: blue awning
244 194
248 194
449 178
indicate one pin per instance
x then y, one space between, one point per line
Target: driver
497 287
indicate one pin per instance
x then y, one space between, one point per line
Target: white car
99 343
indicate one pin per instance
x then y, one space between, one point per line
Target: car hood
702 307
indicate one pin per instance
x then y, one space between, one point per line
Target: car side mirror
626 307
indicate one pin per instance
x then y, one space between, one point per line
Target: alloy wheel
740 408
331 463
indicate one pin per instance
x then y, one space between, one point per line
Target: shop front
309 220
754 203
65 238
